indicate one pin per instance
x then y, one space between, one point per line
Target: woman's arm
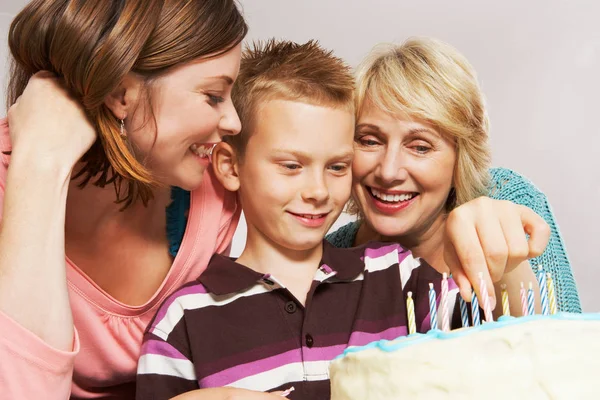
49 133
509 185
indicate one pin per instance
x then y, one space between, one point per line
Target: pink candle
444 304
524 300
487 308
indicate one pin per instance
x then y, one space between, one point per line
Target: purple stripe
242 371
162 349
193 289
326 269
363 338
451 284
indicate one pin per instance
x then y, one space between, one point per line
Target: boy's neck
295 269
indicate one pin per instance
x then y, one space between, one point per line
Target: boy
291 302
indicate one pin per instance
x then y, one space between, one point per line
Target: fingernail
287 392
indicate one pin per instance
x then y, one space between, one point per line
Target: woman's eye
367 141
213 100
422 149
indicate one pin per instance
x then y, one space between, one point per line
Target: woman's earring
123 128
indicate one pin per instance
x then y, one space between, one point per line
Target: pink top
108 334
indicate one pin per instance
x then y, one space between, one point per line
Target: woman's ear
225 166
123 100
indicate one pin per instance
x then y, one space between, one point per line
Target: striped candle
432 307
505 305
530 300
551 295
487 308
543 289
410 308
464 313
444 304
523 301
475 309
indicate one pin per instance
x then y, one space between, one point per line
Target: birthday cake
534 357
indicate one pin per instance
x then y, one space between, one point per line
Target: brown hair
285 70
430 80
93 44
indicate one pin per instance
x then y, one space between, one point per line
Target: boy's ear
123 100
225 166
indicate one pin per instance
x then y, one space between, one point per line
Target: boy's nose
315 190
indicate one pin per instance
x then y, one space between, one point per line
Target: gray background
538 62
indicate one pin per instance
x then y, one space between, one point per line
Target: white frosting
533 359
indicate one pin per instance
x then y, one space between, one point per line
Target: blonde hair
284 70
430 80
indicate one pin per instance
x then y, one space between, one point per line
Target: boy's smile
295 176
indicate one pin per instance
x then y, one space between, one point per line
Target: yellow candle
551 297
410 308
505 305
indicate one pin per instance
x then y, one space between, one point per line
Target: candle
432 307
444 304
410 307
464 314
530 300
523 301
505 305
551 295
487 308
475 309
543 289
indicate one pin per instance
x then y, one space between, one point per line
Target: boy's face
296 173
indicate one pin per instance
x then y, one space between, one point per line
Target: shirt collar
224 276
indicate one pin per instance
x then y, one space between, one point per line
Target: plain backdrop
539 65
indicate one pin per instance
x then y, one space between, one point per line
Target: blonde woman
422 174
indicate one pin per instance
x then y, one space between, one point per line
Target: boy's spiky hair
284 70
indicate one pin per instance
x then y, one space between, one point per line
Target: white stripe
197 301
161 365
407 266
293 372
382 262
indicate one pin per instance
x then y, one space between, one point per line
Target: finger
538 230
463 236
516 241
458 274
493 244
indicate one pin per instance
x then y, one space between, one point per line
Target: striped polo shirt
237 327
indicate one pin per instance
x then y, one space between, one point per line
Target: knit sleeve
509 185
344 236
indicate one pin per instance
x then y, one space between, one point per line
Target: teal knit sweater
509 185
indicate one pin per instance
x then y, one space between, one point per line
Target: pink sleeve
30 369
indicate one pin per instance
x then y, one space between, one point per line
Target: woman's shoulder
344 236
507 184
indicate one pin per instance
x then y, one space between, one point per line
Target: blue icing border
416 338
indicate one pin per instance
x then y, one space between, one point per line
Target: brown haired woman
132 96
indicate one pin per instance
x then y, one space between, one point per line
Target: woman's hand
47 124
489 236
225 393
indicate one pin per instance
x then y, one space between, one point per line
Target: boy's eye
290 166
339 167
213 100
